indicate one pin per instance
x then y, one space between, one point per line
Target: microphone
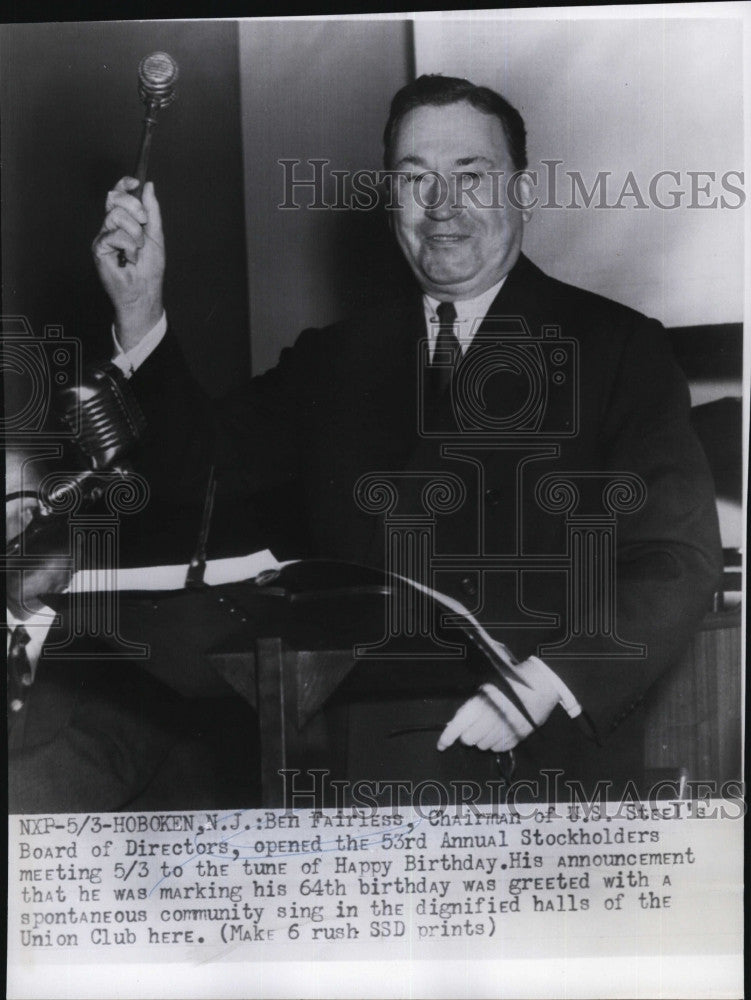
157 82
103 414
106 422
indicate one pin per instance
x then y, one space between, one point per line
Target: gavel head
157 79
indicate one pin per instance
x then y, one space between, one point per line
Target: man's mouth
446 239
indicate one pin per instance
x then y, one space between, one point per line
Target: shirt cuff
129 361
551 682
566 698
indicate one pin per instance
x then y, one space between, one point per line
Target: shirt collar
38 626
469 312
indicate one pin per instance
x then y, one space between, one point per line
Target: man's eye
470 175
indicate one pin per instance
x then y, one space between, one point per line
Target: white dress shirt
469 315
129 361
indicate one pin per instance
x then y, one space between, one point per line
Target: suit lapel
520 297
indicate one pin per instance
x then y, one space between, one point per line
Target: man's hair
437 91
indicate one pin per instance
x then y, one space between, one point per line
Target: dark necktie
19 670
447 350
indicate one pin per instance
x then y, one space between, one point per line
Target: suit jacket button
493 497
469 586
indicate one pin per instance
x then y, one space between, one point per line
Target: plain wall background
315 90
71 125
644 95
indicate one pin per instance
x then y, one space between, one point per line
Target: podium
694 713
296 645
287 643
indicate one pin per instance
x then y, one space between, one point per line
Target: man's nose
439 198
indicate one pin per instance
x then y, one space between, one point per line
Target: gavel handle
143 161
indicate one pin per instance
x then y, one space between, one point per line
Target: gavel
157 80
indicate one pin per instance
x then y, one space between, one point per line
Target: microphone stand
197 567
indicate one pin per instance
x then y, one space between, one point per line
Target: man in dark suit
86 731
371 396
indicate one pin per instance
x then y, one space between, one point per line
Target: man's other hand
490 721
135 228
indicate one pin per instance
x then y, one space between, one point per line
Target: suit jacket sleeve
668 552
251 435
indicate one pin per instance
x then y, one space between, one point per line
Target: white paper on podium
218 571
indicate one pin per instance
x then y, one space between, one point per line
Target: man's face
457 249
23 475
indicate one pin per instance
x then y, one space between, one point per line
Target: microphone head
157 79
105 412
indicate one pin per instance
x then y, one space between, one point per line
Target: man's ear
390 217
386 197
521 193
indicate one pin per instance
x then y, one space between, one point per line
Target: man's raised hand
135 228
